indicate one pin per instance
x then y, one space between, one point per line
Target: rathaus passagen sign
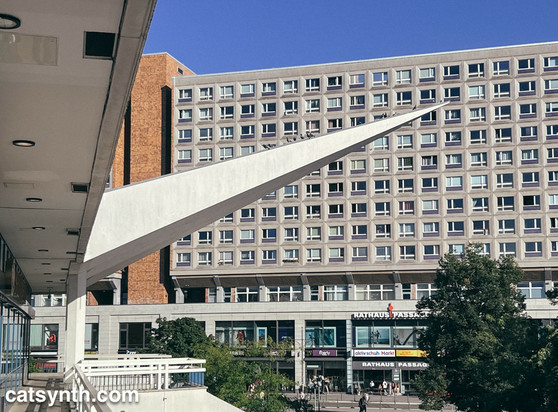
386 315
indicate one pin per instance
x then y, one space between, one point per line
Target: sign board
410 353
324 352
386 315
374 352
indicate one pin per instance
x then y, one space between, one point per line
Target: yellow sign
410 353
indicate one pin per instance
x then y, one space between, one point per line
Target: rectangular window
527 88
184 156
429 140
227 92
383 253
429 206
452 94
313 233
313 255
381 186
383 231
205 155
405 163
551 108
185 94
479 182
429 162
453 138
184 135
429 184
380 100
204 258
206 93
504 158
427 74
226 153
431 229
479 159
476 70
206 113
454 182
455 205
290 128
382 208
405 185
451 72
380 79
502 90
356 80
480 204
313 85
226 133
381 143
503 135
456 228
476 92
505 203
291 107
405 141
454 160
269 256
507 249
477 114
291 213
290 86
504 180
356 101
428 96
185 114
502 112
313 212
527 110
406 230
334 82
526 65
381 165
407 252
529 156
404 98
501 68
403 77
481 227
291 234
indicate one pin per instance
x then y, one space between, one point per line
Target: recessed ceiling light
49 281
43 250
47 273
9 22
39 228
23 143
45 263
34 199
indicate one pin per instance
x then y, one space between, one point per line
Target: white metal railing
82 385
133 372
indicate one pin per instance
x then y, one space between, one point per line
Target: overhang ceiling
71 106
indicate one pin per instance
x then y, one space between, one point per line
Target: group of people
385 388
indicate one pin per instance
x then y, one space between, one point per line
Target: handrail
82 384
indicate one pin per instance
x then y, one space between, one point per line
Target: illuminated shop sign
410 353
324 352
386 315
378 365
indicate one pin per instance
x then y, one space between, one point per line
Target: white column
76 305
299 351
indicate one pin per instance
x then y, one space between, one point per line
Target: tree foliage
177 338
226 377
480 345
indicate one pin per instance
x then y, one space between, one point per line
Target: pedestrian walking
362 404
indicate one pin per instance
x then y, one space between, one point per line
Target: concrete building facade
320 261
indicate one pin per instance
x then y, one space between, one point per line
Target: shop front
385 349
329 363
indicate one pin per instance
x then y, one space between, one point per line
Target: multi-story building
319 261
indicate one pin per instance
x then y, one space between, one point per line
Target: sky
217 36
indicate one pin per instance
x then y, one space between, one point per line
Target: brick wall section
155 71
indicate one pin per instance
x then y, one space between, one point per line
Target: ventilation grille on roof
98 45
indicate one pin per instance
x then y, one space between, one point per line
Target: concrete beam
136 220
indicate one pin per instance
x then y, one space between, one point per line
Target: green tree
481 348
177 338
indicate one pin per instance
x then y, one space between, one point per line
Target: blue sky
213 36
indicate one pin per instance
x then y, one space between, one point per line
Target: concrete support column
76 305
179 295
210 327
548 283
220 294
349 334
117 291
261 294
299 375
306 293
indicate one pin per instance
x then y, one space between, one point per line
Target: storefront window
44 338
133 335
320 337
238 333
